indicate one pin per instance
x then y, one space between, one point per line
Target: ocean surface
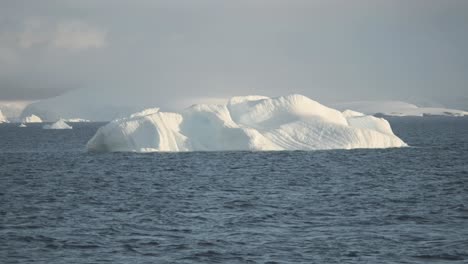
60 204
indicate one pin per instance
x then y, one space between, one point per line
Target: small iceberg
22 125
61 124
32 119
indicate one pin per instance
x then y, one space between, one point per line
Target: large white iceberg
31 119
292 122
61 124
397 108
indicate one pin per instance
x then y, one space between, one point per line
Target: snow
256 123
145 112
350 113
3 119
397 108
61 124
32 119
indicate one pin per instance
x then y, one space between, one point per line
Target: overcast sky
328 50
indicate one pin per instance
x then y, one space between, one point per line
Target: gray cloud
328 50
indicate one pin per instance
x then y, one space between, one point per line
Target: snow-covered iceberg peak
32 119
292 122
61 124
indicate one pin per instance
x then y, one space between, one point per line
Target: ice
11 110
22 125
254 123
32 119
397 108
61 124
3 119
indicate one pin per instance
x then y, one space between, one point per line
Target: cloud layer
329 50
40 34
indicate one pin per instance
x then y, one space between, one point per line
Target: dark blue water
59 204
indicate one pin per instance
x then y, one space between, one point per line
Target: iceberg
398 108
22 125
3 119
61 124
31 119
12 110
254 123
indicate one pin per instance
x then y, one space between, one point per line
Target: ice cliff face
292 122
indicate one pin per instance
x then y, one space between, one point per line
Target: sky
329 50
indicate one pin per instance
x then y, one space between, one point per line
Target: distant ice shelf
76 120
397 108
255 123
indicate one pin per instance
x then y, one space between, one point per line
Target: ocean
60 204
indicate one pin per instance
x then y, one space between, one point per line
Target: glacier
60 124
255 123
